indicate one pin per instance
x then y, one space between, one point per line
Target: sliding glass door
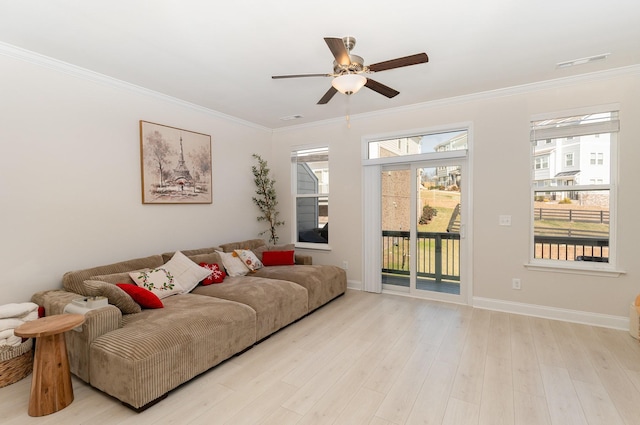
422 228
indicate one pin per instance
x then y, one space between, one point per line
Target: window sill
582 269
313 246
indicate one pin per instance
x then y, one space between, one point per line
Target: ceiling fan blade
337 47
381 88
400 62
300 75
327 96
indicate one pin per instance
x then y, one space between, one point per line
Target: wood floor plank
468 383
496 406
547 348
401 398
361 409
431 402
524 365
562 400
530 409
597 405
573 353
461 413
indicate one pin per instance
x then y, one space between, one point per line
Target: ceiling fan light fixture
349 83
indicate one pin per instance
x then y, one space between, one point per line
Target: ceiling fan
348 70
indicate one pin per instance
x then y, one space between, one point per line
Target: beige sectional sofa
138 356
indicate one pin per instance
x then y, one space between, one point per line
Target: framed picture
175 164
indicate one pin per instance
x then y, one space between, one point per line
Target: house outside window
310 171
574 200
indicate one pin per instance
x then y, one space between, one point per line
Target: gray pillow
115 295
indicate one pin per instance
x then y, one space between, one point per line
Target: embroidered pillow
144 297
216 276
233 264
185 271
160 281
278 258
249 259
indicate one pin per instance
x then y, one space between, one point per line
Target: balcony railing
438 254
572 248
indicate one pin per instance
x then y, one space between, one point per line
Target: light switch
504 220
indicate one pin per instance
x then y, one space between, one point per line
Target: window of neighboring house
568 160
542 163
310 168
576 225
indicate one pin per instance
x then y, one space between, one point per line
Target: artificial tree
266 197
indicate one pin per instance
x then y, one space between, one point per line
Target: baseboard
354 284
574 316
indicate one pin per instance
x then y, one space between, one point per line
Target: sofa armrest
303 259
97 322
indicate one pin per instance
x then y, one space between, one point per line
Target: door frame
372 220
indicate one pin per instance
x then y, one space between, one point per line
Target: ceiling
221 55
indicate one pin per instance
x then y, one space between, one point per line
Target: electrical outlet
516 284
504 220
345 265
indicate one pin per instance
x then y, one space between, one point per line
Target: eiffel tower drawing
181 172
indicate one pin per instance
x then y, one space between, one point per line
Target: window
542 163
574 225
310 168
568 160
418 144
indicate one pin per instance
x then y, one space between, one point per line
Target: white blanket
17 310
13 341
6 333
10 324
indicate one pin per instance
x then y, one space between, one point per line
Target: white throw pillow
249 259
185 271
233 264
160 281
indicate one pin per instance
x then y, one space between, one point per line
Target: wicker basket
15 362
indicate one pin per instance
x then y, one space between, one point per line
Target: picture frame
176 166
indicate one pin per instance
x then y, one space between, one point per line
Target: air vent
582 61
291 117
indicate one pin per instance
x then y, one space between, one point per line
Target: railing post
438 258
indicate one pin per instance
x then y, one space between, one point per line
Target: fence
583 216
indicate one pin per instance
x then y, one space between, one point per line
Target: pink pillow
142 296
217 274
278 258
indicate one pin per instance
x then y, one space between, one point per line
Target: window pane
312 215
571 225
419 144
312 169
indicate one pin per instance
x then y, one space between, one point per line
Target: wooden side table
51 388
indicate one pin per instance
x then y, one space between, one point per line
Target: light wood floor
384 359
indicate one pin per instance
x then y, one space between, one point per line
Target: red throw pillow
217 274
142 296
278 258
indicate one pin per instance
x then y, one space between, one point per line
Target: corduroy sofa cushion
276 302
323 283
157 350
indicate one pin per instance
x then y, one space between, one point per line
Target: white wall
70 177
501 173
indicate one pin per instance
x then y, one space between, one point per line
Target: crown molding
86 74
96 77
